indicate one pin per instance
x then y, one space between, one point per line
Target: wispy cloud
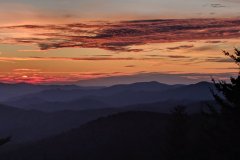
217 5
96 58
219 59
181 47
122 36
130 66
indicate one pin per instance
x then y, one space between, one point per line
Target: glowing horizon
60 44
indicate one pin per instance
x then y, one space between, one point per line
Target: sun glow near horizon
40 46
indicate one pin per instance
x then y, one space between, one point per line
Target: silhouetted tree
177 135
223 127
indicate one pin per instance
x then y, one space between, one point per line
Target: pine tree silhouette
223 127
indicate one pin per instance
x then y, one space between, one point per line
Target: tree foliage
223 128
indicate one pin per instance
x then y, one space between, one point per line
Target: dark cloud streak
181 47
125 36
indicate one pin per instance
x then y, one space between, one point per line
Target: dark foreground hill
26 126
130 135
31 125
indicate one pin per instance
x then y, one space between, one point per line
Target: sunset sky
55 41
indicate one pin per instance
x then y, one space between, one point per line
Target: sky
66 41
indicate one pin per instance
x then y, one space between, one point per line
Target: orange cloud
123 36
97 58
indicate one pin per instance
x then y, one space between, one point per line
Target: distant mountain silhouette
192 107
114 96
141 77
141 86
195 92
75 105
13 90
131 117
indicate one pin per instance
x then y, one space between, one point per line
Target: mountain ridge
114 96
